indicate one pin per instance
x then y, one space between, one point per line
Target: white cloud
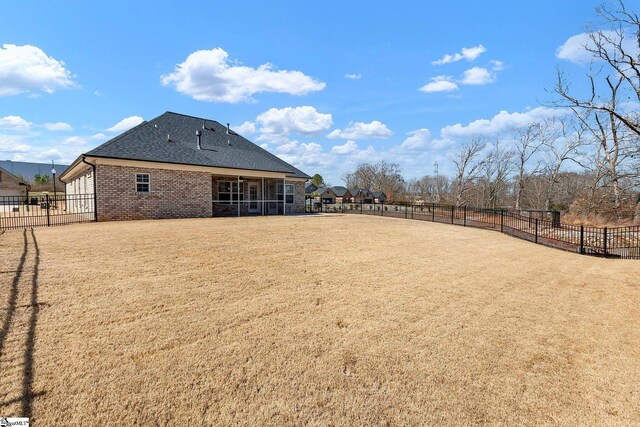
58 126
278 123
477 76
353 76
501 122
360 130
126 124
497 65
83 140
10 144
468 53
209 75
246 128
439 84
303 155
416 140
15 123
27 68
348 147
574 49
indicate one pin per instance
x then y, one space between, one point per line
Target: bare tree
467 168
563 140
381 176
527 144
496 168
620 65
429 188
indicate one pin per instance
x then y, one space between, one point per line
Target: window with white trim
143 183
228 191
290 192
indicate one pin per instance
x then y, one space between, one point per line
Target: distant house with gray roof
177 166
342 194
27 171
379 196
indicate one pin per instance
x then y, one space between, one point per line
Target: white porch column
262 196
284 195
238 196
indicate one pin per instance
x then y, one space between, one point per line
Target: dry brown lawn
324 320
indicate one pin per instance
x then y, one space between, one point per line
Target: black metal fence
610 242
46 210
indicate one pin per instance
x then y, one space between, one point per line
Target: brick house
179 166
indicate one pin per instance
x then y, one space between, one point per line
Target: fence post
433 212
536 230
382 209
605 241
361 204
581 238
342 207
412 208
465 216
405 211
48 202
453 208
502 221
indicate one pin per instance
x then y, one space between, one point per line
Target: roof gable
171 138
341 191
9 177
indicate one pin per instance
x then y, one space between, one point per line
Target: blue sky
347 82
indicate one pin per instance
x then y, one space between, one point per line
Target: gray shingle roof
28 171
148 142
310 188
359 191
340 191
322 190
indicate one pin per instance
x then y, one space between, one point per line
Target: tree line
584 160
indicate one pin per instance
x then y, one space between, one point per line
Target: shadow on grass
13 295
27 378
27 395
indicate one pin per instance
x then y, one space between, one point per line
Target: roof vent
228 129
168 138
198 141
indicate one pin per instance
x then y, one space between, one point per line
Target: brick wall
174 194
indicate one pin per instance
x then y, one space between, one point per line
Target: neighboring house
179 166
27 171
379 197
326 195
12 185
342 194
309 189
360 195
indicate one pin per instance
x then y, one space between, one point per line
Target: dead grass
326 320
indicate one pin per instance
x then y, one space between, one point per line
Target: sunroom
254 196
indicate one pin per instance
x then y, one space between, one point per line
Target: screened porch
251 196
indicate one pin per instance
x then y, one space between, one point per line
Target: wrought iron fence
610 242
46 210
